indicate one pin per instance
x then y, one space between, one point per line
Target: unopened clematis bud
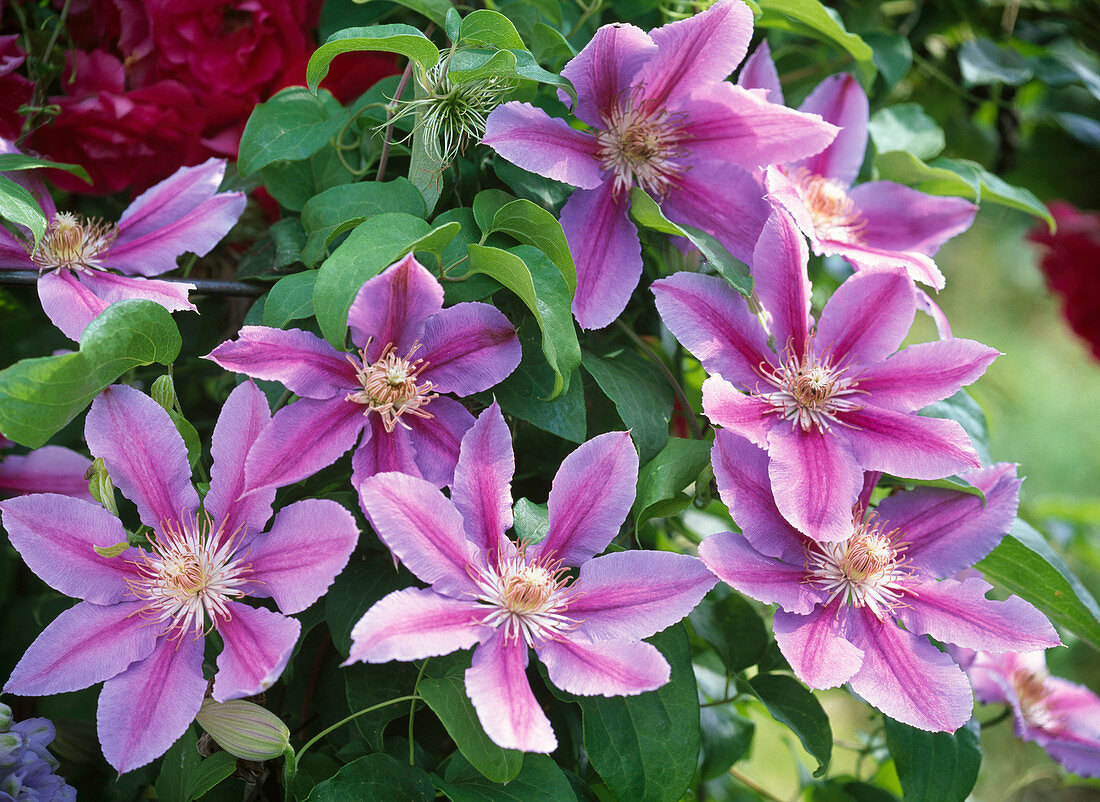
163 392
5 717
244 729
101 487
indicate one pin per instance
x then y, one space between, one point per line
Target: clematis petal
606 668
49 469
781 282
840 100
634 594
734 560
468 347
590 498
926 372
84 645
759 72
391 307
56 536
959 612
606 250
143 452
496 683
67 303
865 258
602 72
13 254
301 361
482 489
244 415
415 623
109 288
817 646
932 309
908 445
309 543
143 710
899 218
714 323
258 643
380 451
746 415
169 200
532 139
435 442
867 318
422 528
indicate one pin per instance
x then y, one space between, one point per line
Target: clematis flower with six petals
86 265
410 350
833 398
662 118
139 627
841 601
505 598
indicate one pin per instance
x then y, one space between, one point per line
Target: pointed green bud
101 487
163 392
244 729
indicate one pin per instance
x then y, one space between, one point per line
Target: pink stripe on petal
899 218
172 198
532 139
67 303
603 71
50 469
866 258
734 560
496 683
816 479
745 415
380 451
867 318
304 363
607 668
143 452
758 72
926 372
482 489
13 254
258 644
816 646
907 444
390 308
172 295
840 100
468 347
781 282
415 623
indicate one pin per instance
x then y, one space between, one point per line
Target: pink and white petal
948 531
380 451
244 415
422 528
759 72
436 440
415 623
899 218
745 415
926 372
169 200
309 543
734 560
839 100
589 498
57 536
390 308
926 304
602 72
907 444
634 594
714 323
468 347
606 250
782 283
304 363
482 489
867 258
867 318
816 480
172 295
496 683
817 645
146 708
143 452
86 644
67 303
959 612
258 643
301 439
785 195
700 50
50 469
606 668
532 139
908 678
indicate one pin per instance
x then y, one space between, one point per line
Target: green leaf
905 168
527 67
466 66
185 776
546 192
732 626
956 483
537 282
293 125
190 437
10 162
639 393
935 766
1025 564
486 204
483 28
290 299
435 10
549 46
39 396
664 478
404 40
811 18
646 747
983 62
453 24
994 189
293 183
539 780
791 704
726 738
893 55
446 695
965 411
324 213
19 206
905 126
522 394
532 520
532 225
376 776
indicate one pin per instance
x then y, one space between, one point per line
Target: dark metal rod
203 286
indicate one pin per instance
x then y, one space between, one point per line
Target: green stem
696 433
412 711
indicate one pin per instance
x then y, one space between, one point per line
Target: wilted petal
781 282
415 623
532 139
733 559
391 307
109 288
468 347
906 444
607 668
301 361
50 469
902 219
602 72
817 647
867 318
496 683
758 72
482 489
244 415
816 480
840 100
746 415
926 372
258 643
67 303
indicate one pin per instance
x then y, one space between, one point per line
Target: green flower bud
5 717
244 729
101 487
163 392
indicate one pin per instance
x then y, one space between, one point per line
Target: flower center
390 386
1032 691
530 598
834 215
867 569
642 145
74 242
189 576
809 391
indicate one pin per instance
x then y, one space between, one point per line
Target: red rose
14 88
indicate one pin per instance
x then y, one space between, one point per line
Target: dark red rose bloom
14 88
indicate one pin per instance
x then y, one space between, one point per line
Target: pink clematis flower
841 602
662 118
50 469
139 627
76 257
1060 716
832 399
410 349
505 597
